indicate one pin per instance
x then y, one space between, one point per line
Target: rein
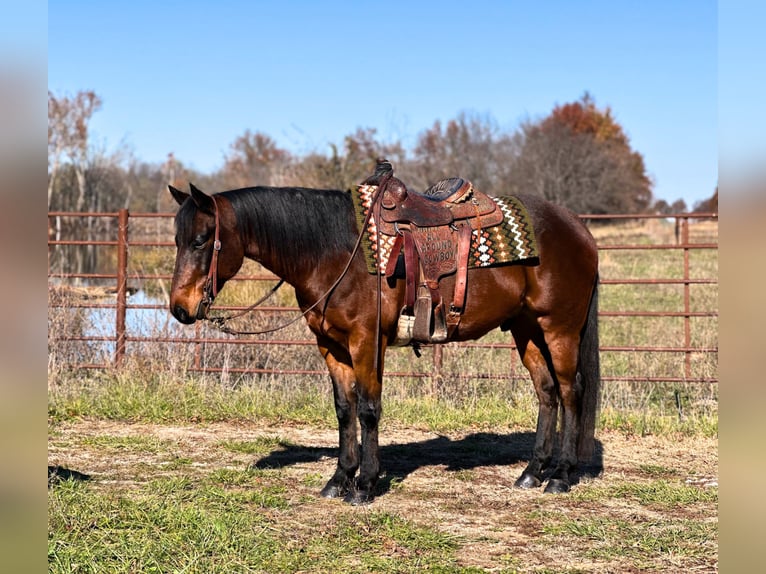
211 287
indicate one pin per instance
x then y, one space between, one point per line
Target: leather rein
210 290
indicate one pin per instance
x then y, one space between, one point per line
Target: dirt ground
460 483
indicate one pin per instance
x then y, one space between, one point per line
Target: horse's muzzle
182 315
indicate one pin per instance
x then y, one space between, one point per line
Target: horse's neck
314 282
308 273
272 264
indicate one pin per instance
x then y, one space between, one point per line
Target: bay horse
307 237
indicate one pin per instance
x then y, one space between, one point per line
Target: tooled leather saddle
433 231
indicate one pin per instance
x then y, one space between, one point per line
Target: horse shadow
470 452
58 474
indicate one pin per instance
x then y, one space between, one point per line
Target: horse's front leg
344 393
369 387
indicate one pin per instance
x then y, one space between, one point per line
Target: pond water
151 319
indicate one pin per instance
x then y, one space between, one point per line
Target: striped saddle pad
511 241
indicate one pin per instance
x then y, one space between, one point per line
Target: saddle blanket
511 241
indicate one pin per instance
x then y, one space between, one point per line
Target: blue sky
189 77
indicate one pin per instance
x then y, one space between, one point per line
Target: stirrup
423 311
404 329
439 334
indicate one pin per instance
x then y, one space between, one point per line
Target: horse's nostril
182 315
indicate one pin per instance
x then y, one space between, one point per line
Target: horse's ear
204 202
178 195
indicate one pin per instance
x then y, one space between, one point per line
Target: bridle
210 290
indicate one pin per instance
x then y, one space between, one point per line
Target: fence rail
120 273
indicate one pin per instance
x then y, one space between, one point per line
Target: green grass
677 530
659 494
132 443
219 526
261 445
168 525
160 398
656 470
653 423
643 543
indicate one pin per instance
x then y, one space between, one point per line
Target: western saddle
433 229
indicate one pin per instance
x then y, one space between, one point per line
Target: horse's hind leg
549 347
344 393
531 348
564 352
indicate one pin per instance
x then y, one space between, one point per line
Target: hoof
358 498
557 486
332 490
527 481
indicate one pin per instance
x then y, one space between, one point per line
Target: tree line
578 156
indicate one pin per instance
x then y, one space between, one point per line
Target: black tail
589 371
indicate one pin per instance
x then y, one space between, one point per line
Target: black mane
297 226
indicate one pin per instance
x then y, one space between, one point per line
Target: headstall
211 285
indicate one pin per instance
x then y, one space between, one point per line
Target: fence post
122 286
197 346
437 378
687 302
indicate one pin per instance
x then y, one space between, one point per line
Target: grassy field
152 473
155 469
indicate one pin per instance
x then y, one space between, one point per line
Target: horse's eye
199 242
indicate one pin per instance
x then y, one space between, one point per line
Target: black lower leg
560 479
369 467
348 453
542 452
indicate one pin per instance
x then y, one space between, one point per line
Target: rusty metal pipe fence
135 248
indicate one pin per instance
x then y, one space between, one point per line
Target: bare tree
471 146
709 205
81 176
255 159
345 167
68 119
68 137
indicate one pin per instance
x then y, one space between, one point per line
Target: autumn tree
579 156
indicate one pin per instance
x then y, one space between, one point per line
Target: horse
307 237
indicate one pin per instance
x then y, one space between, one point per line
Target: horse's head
209 252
